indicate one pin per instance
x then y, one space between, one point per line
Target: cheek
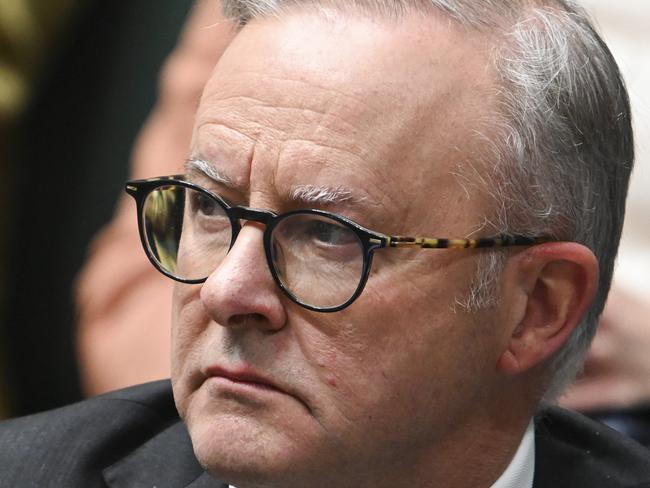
189 322
353 360
365 388
406 346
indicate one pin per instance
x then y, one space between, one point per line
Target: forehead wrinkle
195 164
227 91
257 98
279 121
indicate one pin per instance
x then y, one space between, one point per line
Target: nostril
243 320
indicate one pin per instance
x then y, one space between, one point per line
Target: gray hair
561 147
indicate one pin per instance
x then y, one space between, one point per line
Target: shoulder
68 446
572 450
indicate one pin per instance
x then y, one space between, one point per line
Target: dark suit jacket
133 438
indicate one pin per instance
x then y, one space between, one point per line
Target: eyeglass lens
318 259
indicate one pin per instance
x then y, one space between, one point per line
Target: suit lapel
572 451
166 460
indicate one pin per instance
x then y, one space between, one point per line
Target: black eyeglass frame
371 240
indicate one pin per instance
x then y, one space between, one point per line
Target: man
312 345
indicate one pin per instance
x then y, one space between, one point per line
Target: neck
474 457
474 453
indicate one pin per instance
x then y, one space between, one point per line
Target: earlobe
554 284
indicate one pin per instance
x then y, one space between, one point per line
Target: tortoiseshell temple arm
433 243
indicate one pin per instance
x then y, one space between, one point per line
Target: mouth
246 385
244 377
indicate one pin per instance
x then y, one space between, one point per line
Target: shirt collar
520 471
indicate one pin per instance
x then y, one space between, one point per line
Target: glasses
320 260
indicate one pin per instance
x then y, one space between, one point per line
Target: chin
254 448
245 453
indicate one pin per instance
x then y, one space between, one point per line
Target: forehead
384 107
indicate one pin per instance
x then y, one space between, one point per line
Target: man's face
385 114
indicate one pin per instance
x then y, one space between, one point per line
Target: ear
548 289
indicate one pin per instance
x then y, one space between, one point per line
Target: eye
330 233
206 214
205 205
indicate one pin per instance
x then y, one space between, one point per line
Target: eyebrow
312 194
302 194
194 165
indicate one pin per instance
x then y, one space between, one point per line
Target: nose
241 292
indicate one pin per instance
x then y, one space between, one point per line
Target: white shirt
520 471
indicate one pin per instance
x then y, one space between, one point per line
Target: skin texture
399 389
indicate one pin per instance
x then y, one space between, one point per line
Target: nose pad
241 290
